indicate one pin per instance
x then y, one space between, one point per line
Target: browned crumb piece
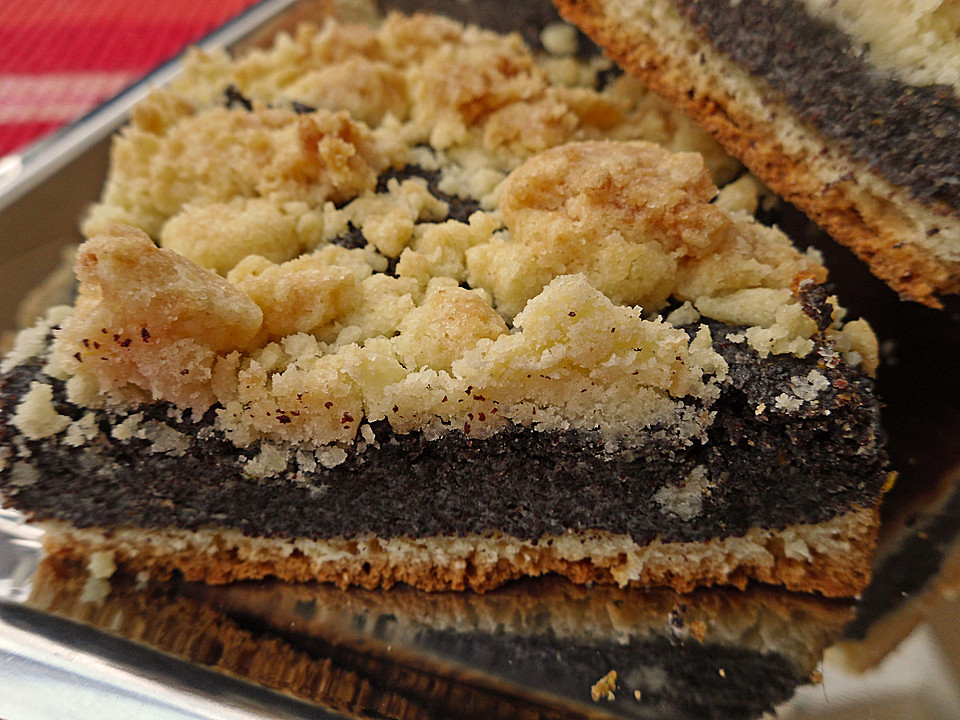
604 687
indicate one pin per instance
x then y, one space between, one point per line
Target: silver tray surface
72 647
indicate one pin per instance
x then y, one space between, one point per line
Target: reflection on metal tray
89 648
538 648
533 648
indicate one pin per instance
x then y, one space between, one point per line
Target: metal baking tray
75 647
45 189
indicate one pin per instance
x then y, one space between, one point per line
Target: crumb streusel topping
429 224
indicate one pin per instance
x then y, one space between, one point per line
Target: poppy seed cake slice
415 304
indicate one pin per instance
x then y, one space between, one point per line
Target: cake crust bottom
830 557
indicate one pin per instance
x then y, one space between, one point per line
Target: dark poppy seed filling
460 209
901 131
234 98
765 467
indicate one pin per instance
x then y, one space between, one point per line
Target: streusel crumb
330 233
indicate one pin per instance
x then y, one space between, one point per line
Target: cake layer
831 558
900 131
761 464
779 492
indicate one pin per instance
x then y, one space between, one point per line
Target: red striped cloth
60 58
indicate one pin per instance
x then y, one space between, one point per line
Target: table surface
61 58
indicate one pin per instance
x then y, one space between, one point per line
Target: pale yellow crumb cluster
918 40
211 279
